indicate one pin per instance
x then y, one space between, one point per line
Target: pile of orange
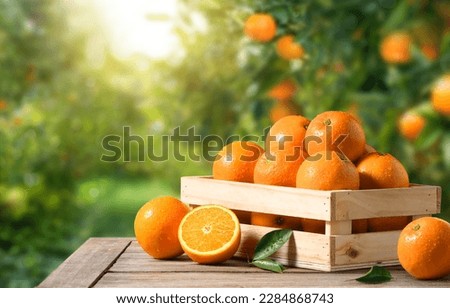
329 152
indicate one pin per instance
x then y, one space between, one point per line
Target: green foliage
55 111
62 92
342 70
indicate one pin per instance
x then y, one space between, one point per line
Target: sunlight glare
132 30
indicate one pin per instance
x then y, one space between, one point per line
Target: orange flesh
209 230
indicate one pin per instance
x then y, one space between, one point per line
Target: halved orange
210 234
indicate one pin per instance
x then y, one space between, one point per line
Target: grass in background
112 203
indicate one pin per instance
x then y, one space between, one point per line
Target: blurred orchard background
75 71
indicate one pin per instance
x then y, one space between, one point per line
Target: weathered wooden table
120 262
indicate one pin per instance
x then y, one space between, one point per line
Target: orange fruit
276 221
423 248
278 168
243 216
378 170
396 48
287 135
430 51
313 225
156 227
282 109
288 49
440 95
411 124
283 91
210 234
327 170
359 226
387 223
236 161
368 149
260 27
335 131
318 226
3 104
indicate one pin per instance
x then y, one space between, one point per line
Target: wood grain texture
366 248
338 227
414 200
308 250
336 205
324 252
338 249
87 265
259 279
256 197
121 263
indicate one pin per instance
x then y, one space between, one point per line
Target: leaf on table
270 243
376 274
269 265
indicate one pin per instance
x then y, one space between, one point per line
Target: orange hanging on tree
440 95
282 109
430 51
3 104
411 124
283 91
396 48
260 27
288 49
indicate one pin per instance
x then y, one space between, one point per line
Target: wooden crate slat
323 205
325 253
415 200
338 249
303 250
366 248
254 197
86 265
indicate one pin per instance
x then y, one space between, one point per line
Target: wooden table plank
135 268
255 280
87 265
121 262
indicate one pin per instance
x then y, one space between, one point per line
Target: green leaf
269 265
445 43
376 274
270 243
429 136
446 150
396 18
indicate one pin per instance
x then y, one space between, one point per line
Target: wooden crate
337 249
